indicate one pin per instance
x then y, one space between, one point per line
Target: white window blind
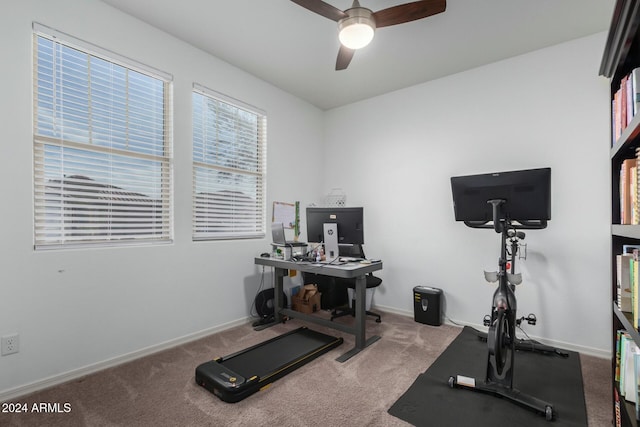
102 147
229 167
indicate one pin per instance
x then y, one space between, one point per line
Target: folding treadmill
239 375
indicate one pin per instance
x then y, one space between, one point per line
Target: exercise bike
502 322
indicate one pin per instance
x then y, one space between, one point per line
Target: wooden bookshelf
621 56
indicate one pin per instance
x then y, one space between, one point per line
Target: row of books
626 103
628 369
628 282
629 200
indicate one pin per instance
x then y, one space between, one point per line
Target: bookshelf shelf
628 136
626 323
621 56
628 231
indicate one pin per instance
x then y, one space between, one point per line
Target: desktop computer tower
427 305
332 294
331 248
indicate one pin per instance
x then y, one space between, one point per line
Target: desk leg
361 317
278 303
361 296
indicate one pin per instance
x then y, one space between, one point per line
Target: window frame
234 227
145 219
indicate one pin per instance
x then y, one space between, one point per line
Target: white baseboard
23 390
590 351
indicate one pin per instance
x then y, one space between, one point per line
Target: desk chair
372 282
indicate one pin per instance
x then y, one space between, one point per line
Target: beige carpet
159 390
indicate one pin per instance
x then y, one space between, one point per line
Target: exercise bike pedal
487 320
491 276
514 278
531 319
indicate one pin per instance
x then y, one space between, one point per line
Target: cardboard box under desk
307 300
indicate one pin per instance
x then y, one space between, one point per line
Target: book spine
618 350
634 286
636 366
616 396
616 121
623 102
635 89
629 99
623 283
623 365
636 189
628 185
633 194
614 137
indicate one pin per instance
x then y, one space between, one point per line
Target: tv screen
526 195
349 221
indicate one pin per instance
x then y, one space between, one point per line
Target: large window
102 146
229 157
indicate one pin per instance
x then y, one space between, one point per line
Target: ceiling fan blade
344 58
322 8
408 12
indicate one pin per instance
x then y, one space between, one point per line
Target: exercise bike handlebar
520 225
498 223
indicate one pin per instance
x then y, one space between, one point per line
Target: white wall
77 308
395 154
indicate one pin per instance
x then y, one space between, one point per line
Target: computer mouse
265 255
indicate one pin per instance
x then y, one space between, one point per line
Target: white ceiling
295 49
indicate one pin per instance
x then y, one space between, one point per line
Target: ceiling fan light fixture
357 30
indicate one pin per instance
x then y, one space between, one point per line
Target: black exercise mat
431 402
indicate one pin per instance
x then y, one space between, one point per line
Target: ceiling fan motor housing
356 26
359 19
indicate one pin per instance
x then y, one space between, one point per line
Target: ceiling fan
357 24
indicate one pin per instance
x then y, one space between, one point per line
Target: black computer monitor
349 221
526 195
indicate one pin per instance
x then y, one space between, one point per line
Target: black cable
449 319
528 340
253 304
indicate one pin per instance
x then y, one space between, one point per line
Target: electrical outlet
10 344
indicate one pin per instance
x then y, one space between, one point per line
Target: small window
102 146
229 158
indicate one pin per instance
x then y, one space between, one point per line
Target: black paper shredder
427 305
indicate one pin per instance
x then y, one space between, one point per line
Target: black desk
346 271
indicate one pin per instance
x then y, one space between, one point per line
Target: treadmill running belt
234 377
